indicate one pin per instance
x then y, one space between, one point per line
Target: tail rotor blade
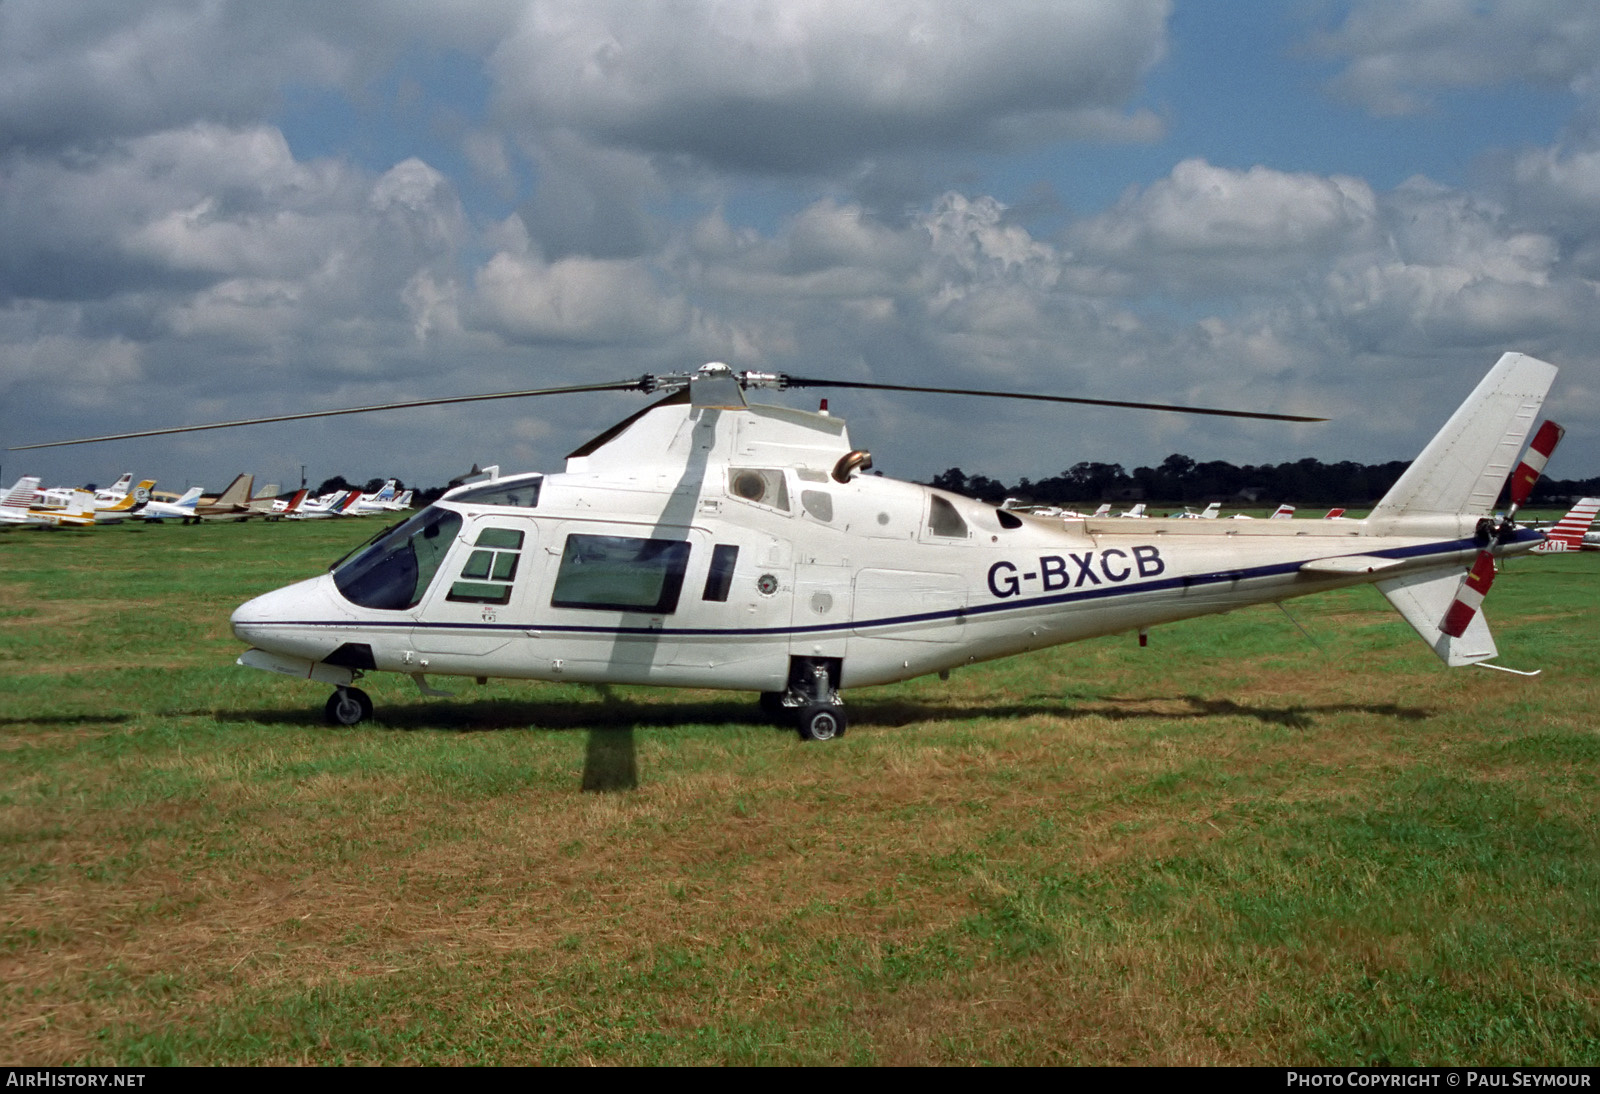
1528 471
1474 587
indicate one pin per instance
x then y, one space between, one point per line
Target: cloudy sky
215 209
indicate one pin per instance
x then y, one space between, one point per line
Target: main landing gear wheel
347 707
821 722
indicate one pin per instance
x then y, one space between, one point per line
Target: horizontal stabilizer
1424 599
1349 564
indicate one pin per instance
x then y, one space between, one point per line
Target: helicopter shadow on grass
67 720
611 712
612 722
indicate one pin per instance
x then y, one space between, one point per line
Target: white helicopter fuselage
712 547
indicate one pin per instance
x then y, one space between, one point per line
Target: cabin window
762 485
523 494
818 503
619 574
943 520
724 556
394 571
490 568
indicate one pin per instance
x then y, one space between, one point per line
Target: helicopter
708 541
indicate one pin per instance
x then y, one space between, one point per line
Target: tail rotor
1475 586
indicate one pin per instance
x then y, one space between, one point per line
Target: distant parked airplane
1571 532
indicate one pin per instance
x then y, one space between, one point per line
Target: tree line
1183 480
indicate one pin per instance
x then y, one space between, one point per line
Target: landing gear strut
811 702
347 707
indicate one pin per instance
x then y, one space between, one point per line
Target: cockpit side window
394 572
490 569
943 520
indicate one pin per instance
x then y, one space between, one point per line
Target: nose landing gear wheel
821 722
347 707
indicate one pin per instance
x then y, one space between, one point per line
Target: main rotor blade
615 385
802 381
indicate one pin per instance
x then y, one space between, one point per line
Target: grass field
1233 847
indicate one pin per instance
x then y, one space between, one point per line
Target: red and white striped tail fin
1282 512
1334 514
1568 532
21 495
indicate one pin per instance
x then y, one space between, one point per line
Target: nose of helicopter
282 612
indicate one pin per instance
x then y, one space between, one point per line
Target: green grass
1232 847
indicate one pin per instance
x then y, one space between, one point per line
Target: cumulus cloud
809 85
1215 230
579 300
90 70
180 208
1399 56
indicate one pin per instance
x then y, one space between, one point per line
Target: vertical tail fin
238 491
1462 469
1568 532
21 495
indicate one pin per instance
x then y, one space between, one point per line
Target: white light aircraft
75 511
130 503
337 504
708 542
265 503
183 509
376 502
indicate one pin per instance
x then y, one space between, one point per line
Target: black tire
347 707
821 722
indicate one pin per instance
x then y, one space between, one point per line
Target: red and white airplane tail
18 500
1568 532
1282 512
